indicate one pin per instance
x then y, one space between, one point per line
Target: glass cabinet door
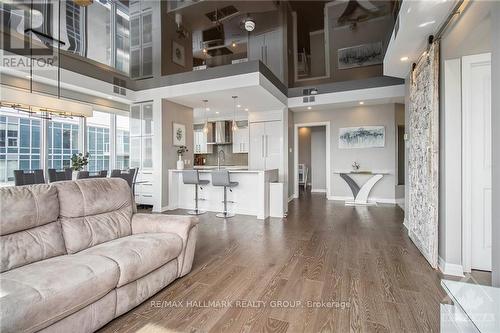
147 152
135 120
147 119
135 152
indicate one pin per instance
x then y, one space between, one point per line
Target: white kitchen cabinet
241 140
200 145
265 145
268 48
141 150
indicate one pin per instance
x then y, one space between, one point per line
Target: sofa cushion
94 211
39 294
28 228
28 246
26 207
137 255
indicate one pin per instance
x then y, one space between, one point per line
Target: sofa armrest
184 226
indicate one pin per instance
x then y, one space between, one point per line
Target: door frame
468 62
296 155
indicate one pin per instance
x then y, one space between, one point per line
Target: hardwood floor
357 258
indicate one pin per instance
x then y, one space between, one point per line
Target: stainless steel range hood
219 133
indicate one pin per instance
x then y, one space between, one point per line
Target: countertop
228 169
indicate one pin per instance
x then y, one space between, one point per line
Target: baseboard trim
290 198
318 190
450 269
401 203
405 223
377 200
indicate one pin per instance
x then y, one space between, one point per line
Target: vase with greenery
79 161
180 152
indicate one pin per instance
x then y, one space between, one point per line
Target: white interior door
476 89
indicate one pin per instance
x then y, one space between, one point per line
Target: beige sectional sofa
75 254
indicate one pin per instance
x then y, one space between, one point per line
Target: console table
360 193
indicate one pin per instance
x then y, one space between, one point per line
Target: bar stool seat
192 177
221 178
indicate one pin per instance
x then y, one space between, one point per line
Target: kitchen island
250 197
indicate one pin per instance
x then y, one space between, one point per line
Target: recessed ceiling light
234 44
309 108
238 106
28 76
246 109
216 112
422 25
404 58
110 97
207 109
361 103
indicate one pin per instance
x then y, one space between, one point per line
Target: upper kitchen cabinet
141 39
268 48
241 139
200 141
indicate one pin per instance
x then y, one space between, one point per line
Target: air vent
119 86
222 13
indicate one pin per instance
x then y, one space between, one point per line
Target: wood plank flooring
357 258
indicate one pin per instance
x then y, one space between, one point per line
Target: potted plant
180 151
78 162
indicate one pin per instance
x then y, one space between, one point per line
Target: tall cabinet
268 48
141 150
265 145
141 39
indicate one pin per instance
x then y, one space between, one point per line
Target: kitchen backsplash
231 158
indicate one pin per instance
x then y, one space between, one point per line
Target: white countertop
228 169
480 303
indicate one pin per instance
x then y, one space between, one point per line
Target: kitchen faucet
218 158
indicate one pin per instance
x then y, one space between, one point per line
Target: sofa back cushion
29 230
94 211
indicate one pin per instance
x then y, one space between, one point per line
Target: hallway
358 259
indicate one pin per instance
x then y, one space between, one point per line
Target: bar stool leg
225 213
196 211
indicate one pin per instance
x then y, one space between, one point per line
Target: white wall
471 34
318 158
380 159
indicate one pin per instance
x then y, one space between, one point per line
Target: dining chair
86 174
56 176
28 177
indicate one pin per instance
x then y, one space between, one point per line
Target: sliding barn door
423 155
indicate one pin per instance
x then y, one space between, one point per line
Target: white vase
180 163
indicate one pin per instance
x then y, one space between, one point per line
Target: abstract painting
179 134
360 55
423 155
362 137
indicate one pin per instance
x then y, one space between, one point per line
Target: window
98 141
122 143
19 143
62 141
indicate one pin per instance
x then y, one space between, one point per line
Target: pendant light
234 113
205 110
